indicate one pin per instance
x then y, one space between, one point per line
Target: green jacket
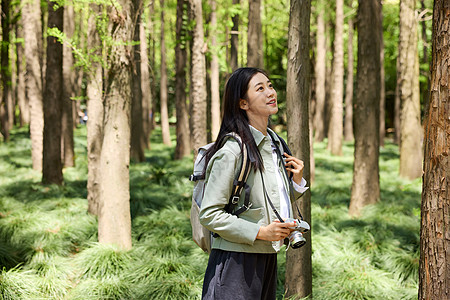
239 233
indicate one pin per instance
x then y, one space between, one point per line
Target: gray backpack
202 236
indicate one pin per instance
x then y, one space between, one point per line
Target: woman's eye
260 88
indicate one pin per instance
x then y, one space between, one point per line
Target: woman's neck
260 125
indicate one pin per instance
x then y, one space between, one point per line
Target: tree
335 126
320 71
51 162
114 220
255 56
382 79
68 155
163 85
366 109
183 147
22 100
198 78
94 94
234 40
5 103
31 12
215 95
298 262
348 116
434 275
410 127
145 86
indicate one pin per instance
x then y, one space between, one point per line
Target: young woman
242 264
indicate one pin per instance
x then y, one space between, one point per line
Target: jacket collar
259 136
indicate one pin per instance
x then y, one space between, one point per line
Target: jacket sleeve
219 182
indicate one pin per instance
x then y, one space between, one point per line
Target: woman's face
261 99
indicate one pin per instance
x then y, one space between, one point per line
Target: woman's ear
243 104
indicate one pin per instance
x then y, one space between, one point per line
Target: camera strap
266 195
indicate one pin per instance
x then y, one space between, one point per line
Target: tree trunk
114 220
397 105
382 83
145 87
411 130
425 61
255 55
215 96
137 130
94 93
21 98
320 70
366 109
68 155
335 127
298 262
348 119
51 163
183 147
33 55
234 42
5 115
163 86
434 268
198 79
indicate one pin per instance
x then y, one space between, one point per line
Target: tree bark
22 100
410 133
348 119
382 83
68 155
234 41
255 55
163 85
51 162
33 55
215 95
5 109
183 147
94 93
198 79
145 87
114 220
397 105
434 267
298 262
366 109
335 127
137 130
320 70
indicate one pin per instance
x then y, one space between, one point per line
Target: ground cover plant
49 249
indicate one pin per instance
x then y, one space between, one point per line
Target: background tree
320 72
366 109
434 275
22 100
114 220
382 80
234 39
215 89
298 263
6 119
255 56
411 130
147 99
348 116
53 92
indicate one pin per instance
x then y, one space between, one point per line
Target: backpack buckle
234 200
247 207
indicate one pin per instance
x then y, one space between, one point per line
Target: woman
242 264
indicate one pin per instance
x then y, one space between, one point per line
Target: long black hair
234 118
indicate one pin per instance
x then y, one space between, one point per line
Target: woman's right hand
275 231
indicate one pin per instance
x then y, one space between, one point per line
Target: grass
49 249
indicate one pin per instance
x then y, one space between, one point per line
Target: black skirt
238 275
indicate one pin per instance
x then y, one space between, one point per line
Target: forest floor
49 249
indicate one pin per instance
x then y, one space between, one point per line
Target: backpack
202 236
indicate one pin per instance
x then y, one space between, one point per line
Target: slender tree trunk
298 262
215 96
320 70
425 61
163 85
145 87
183 147
68 155
94 93
397 105
434 267
255 55
366 109
114 220
5 115
335 127
137 131
382 84
234 42
411 130
33 54
348 120
198 79
21 98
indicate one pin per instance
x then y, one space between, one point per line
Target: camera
296 239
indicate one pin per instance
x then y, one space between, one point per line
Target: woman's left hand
294 166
